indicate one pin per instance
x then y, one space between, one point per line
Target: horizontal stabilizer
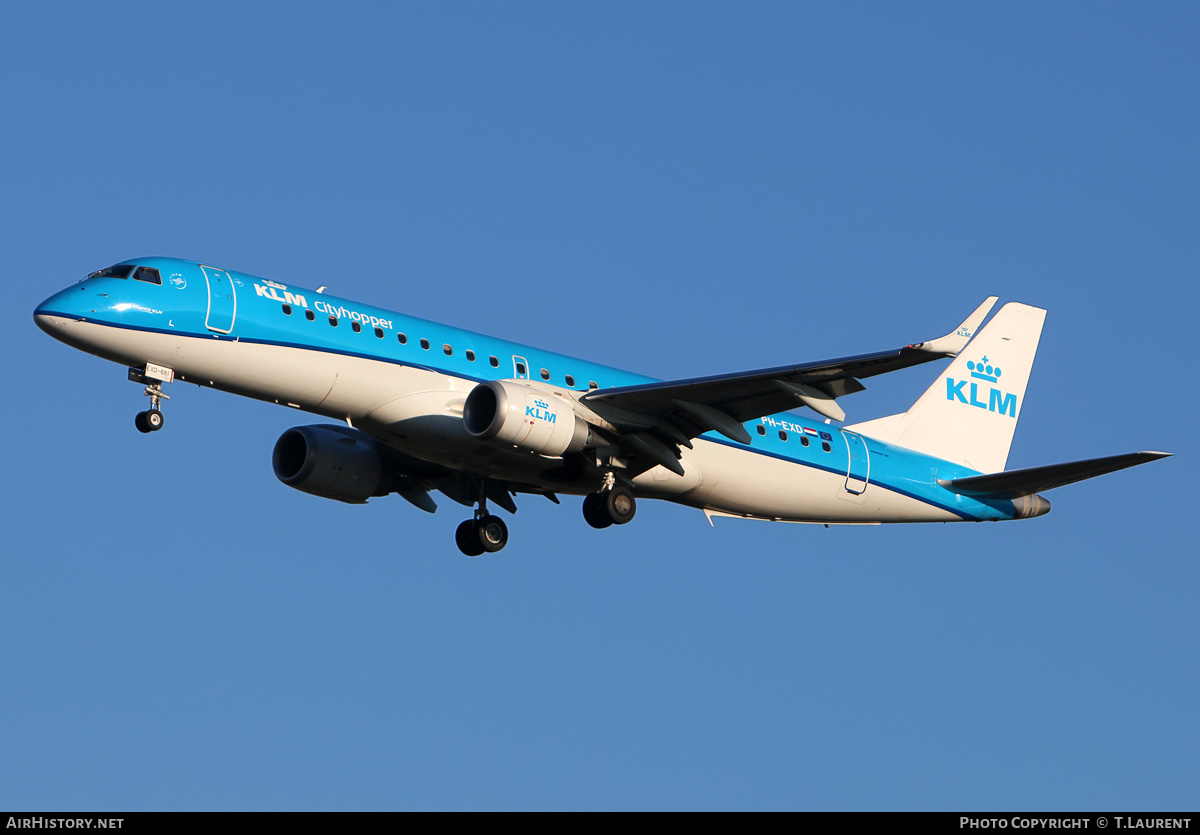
1016 483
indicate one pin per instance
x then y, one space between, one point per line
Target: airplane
424 407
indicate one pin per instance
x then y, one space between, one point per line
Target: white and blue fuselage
405 382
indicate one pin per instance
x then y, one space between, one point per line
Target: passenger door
222 300
858 471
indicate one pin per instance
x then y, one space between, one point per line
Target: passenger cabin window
402 339
782 435
470 355
379 333
825 446
520 368
119 271
425 344
333 321
356 327
570 381
287 309
447 350
762 430
545 374
592 384
493 362
803 440
148 274
309 315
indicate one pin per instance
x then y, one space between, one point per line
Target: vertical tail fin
970 414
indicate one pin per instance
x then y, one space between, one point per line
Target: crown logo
983 370
541 404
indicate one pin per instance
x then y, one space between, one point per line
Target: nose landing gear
149 421
153 376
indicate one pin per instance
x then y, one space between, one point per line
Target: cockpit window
148 274
119 271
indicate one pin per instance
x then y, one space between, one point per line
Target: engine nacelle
514 413
333 462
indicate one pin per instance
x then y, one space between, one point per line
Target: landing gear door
222 300
858 470
520 368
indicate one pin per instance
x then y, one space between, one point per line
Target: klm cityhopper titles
423 408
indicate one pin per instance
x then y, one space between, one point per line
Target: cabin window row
783 436
447 349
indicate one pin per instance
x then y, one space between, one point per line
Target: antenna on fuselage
321 289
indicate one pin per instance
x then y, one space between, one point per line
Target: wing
658 417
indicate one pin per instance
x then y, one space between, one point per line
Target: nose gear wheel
149 421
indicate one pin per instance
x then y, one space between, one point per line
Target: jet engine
509 412
333 462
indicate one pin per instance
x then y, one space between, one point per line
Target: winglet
952 343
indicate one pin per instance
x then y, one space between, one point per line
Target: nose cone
63 307
42 320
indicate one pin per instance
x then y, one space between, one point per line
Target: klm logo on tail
966 391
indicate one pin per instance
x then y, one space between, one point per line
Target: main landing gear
482 534
613 505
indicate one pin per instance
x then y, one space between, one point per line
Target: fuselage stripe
708 437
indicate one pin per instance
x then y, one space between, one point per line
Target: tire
492 533
467 539
139 420
619 505
594 512
154 419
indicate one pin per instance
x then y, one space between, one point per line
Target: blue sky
675 188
